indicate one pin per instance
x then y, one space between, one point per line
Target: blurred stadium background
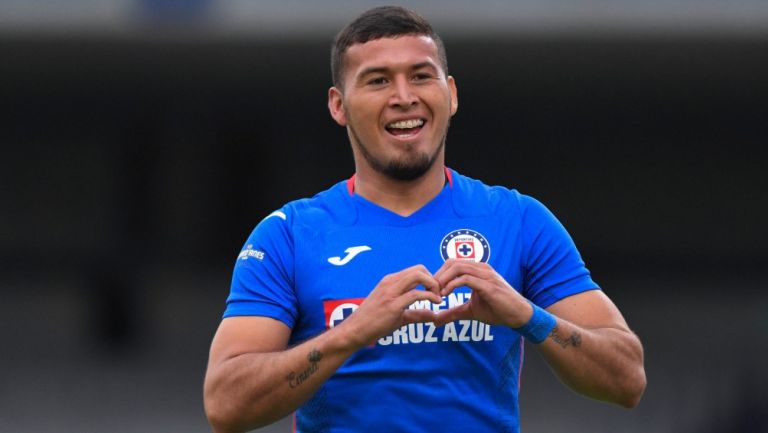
143 139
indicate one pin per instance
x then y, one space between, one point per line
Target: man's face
396 103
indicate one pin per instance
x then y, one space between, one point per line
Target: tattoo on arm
314 358
572 340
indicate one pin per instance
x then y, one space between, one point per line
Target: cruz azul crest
465 244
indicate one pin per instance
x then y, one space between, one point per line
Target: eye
422 76
377 81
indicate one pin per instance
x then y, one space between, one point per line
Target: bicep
590 309
247 334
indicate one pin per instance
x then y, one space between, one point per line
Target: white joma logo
351 253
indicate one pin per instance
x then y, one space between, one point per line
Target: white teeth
406 124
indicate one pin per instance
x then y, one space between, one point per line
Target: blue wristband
539 327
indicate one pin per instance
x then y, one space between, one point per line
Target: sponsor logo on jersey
337 311
249 252
465 244
351 253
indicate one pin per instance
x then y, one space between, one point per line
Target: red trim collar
351 184
351 181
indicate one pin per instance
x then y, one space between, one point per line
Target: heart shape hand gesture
493 300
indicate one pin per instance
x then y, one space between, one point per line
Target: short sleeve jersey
310 264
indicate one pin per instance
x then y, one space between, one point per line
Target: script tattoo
314 358
574 339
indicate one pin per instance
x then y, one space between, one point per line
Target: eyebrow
383 69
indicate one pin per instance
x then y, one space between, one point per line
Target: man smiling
398 300
396 104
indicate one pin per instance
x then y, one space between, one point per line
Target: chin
409 170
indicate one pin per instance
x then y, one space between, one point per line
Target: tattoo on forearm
314 358
572 340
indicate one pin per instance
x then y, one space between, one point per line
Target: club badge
465 244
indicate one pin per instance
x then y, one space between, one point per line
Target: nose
403 95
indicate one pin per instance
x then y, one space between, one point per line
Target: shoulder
476 198
327 208
280 231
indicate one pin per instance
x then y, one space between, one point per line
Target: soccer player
399 299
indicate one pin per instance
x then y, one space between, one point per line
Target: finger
418 316
457 263
471 281
459 267
459 312
415 268
433 285
447 265
414 276
446 273
409 298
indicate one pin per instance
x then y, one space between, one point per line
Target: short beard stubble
404 169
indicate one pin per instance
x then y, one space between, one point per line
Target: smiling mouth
405 128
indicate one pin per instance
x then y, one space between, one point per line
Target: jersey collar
351 181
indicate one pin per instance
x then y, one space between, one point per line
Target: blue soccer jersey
311 264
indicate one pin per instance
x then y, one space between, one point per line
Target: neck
401 197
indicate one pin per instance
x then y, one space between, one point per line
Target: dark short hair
377 23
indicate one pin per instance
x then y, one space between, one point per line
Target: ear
454 95
336 106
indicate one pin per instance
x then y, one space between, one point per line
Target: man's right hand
386 307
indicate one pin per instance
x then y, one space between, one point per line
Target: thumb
458 312
418 316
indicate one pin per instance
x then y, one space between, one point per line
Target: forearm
251 390
602 363
252 381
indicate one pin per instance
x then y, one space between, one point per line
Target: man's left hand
493 300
